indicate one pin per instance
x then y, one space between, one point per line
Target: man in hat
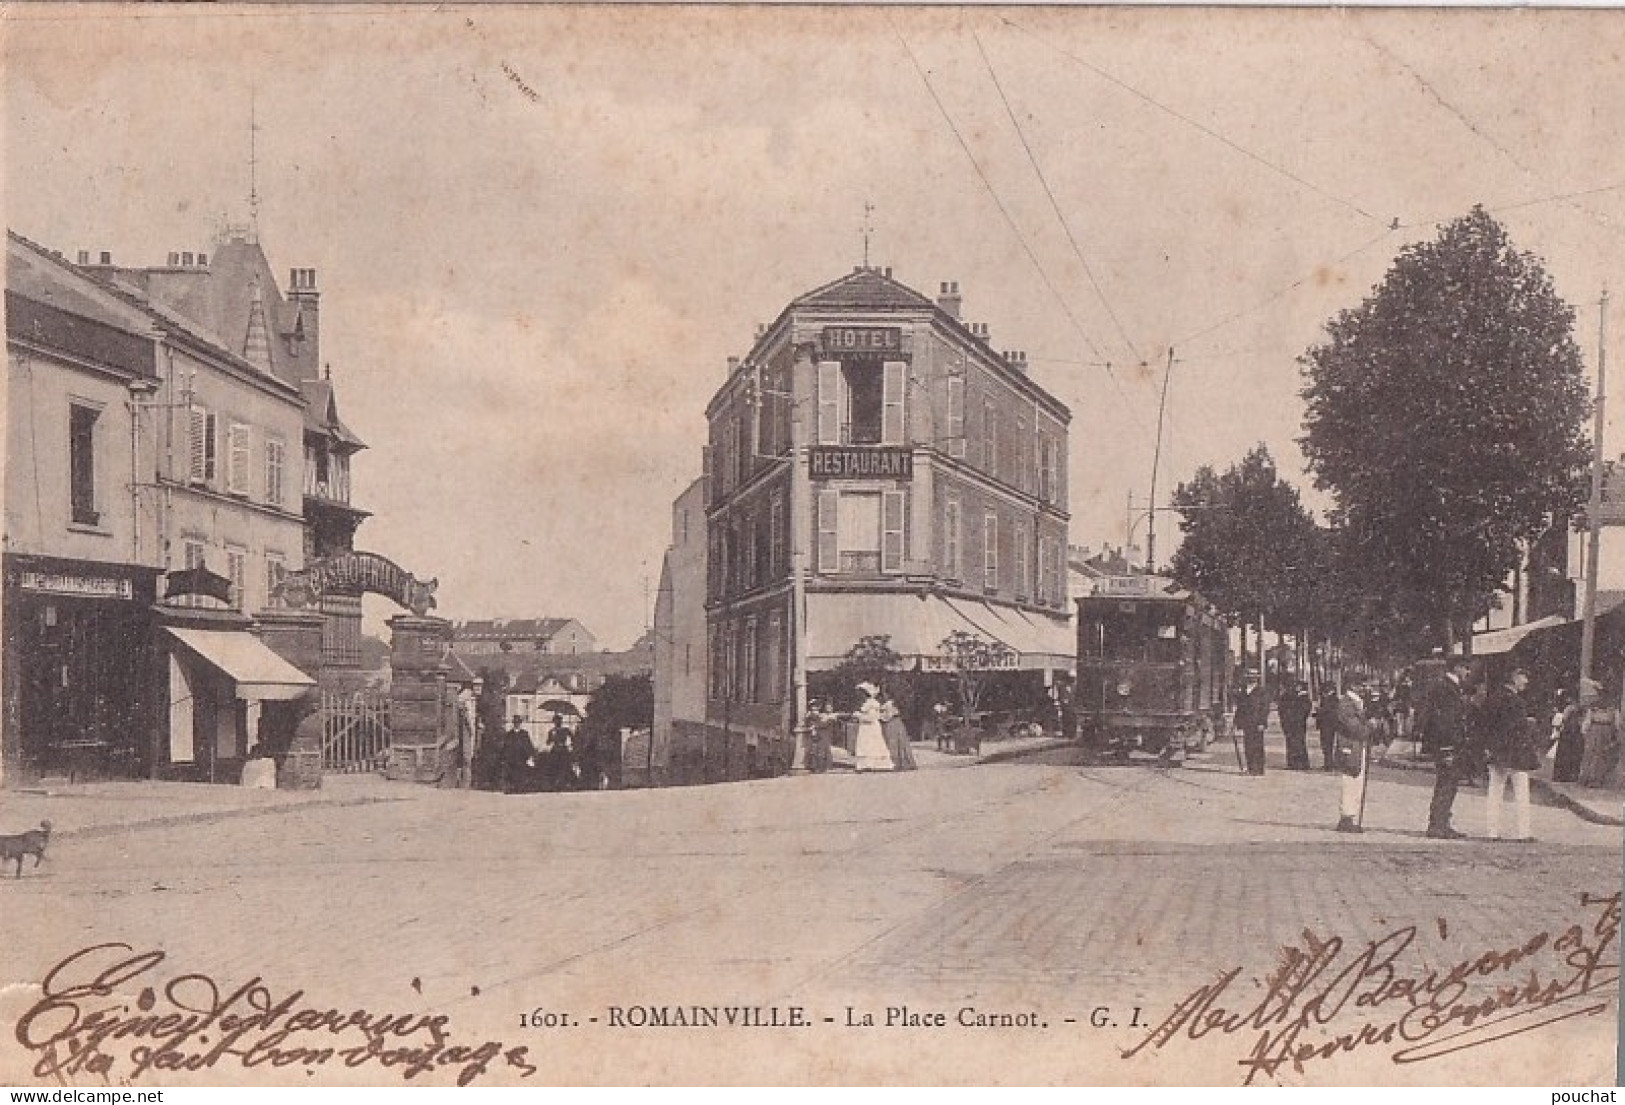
1353 733
1445 731
515 759
1252 714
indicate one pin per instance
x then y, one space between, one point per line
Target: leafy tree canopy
1446 414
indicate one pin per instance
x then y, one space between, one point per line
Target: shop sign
1124 586
848 462
863 339
995 660
60 583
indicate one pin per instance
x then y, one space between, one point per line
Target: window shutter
950 538
990 550
237 459
891 540
1043 571
198 435
894 388
829 402
990 438
956 417
829 505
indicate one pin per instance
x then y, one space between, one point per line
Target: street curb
203 817
1573 805
1002 754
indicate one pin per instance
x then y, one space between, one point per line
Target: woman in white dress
870 751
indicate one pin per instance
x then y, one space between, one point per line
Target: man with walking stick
1354 734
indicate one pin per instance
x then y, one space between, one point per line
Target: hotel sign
859 462
95 587
863 339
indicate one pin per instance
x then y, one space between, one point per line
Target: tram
1152 659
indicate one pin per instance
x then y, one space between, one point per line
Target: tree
620 702
867 661
970 658
1250 548
1446 414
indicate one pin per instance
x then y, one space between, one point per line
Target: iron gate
355 731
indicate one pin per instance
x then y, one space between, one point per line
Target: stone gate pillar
416 696
293 730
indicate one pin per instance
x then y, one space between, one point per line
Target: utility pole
1156 462
802 374
1588 628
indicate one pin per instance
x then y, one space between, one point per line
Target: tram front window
1136 635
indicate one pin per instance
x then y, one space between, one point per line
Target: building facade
192 401
677 749
543 636
874 469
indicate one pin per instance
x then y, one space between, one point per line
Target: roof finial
868 229
253 165
329 368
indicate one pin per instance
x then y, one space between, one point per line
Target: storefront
226 696
77 647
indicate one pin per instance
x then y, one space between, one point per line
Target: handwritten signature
102 1012
1327 998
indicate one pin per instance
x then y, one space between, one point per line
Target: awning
1497 641
258 672
916 625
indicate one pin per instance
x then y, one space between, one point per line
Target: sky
540 231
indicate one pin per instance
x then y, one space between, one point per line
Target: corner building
875 468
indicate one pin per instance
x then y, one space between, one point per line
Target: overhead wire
1009 218
1481 134
1055 205
1279 293
1224 140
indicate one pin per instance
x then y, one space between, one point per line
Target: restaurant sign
94 587
863 339
859 462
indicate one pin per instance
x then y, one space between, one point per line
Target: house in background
545 636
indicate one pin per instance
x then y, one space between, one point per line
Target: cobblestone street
1070 894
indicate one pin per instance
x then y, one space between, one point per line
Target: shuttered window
1023 561
990 551
275 470
956 417
237 469
950 539
891 547
829 402
894 389
829 509
204 458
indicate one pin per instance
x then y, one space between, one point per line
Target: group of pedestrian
1493 733
565 762
880 740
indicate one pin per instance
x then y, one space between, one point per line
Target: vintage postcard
585 545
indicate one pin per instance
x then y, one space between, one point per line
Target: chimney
1017 359
761 328
733 366
948 298
304 340
887 272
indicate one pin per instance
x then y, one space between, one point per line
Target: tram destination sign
863 339
856 462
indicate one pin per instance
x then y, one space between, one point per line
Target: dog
18 845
